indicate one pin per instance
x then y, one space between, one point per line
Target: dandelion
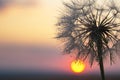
90 30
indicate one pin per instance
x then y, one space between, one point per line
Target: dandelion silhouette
90 30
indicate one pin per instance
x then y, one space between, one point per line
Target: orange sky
32 24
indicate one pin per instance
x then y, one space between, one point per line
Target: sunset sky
27 31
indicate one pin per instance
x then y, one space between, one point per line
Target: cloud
18 56
4 3
24 3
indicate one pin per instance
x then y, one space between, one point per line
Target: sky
27 31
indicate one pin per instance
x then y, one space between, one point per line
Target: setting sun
77 66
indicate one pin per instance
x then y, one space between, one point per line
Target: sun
77 66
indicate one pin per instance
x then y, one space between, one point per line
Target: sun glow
77 66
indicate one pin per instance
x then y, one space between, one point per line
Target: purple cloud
25 3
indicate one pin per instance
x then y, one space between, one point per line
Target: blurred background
27 43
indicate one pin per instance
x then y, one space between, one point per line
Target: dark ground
56 77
